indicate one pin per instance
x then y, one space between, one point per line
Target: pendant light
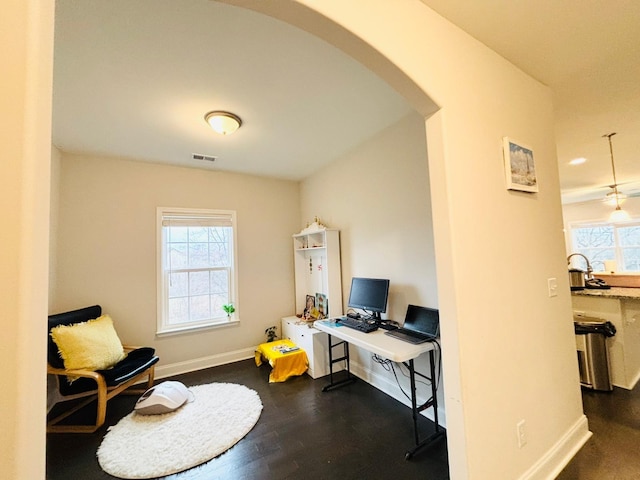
618 215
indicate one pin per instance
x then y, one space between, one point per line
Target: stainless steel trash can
593 352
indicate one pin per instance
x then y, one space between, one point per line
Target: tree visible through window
600 242
196 268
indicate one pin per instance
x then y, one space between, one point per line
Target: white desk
375 342
395 350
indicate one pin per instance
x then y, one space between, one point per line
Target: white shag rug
149 446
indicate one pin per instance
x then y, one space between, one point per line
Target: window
608 241
196 268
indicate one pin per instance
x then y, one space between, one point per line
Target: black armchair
101 384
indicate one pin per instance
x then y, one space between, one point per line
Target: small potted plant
229 309
271 333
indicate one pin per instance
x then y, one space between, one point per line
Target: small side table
285 357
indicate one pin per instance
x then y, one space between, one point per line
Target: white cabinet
312 341
317 270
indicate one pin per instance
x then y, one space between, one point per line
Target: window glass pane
178 310
629 236
601 236
198 255
216 304
200 307
177 234
598 256
177 256
178 286
631 259
198 234
198 283
219 255
220 282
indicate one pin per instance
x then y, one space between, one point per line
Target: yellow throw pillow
91 345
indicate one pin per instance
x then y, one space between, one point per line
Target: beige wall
508 351
378 196
54 209
107 248
26 37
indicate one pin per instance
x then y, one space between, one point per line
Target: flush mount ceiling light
618 215
578 161
224 123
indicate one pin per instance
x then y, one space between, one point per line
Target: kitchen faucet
589 269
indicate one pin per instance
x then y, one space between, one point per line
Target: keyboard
357 324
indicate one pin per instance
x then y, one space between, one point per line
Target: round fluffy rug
149 446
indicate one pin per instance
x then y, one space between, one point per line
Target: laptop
421 324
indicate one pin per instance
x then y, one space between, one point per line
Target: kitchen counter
620 306
621 293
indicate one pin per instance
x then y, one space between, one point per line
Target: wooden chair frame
102 393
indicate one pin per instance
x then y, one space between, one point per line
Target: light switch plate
552 284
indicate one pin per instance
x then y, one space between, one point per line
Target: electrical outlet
522 433
552 284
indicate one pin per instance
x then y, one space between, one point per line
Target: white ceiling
134 79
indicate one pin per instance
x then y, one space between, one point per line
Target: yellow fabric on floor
284 365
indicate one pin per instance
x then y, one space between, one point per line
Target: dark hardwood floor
613 451
355 432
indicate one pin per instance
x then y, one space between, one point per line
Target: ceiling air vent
206 158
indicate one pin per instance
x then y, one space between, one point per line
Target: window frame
163 326
617 247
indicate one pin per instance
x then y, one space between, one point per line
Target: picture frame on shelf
310 310
519 166
322 305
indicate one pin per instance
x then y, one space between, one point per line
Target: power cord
389 366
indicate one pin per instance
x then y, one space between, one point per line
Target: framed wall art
519 166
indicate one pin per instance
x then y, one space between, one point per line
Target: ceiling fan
610 194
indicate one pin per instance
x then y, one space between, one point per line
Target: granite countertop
621 293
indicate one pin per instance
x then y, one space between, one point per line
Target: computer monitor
370 295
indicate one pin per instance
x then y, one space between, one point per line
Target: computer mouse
162 398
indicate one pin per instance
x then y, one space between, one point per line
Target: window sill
197 328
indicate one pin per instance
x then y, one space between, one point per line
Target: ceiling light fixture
224 123
618 215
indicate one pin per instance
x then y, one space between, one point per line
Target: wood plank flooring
613 451
356 432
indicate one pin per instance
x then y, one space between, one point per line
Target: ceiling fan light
614 199
619 215
224 123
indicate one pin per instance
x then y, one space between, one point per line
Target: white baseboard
163 371
392 389
634 382
557 457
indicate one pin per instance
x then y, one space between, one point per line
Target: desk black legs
432 402
415 408
350 378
